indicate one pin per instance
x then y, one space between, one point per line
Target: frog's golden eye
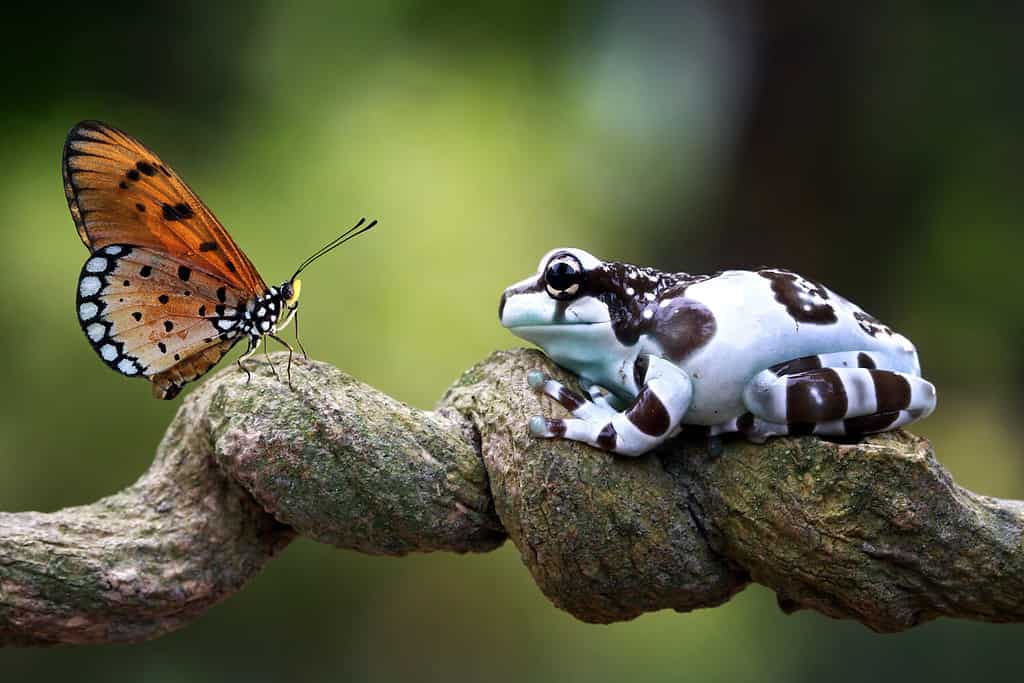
563 277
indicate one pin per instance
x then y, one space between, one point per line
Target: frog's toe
558 392
544 428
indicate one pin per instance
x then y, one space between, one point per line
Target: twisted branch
875 531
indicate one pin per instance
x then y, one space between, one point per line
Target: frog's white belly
754 331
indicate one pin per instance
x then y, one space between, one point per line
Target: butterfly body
165 292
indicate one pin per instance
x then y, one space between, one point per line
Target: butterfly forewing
148 314
120 192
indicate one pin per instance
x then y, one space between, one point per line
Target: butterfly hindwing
149 315
120 192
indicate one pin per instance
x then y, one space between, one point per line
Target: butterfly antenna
355 231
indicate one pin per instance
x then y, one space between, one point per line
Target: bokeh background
875 148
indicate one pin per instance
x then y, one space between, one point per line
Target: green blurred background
876 149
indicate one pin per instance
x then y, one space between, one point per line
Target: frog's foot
602 396
838 394
651 419
597 410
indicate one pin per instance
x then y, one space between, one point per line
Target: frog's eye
563 277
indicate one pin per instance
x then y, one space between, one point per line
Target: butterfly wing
148 314
120 192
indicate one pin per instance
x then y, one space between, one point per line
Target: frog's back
772 316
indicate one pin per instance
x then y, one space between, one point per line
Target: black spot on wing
145 271
163 298
222 294
178 212
208 246
137 315
132 174
168 325
145 167
141 208
184 273
162 347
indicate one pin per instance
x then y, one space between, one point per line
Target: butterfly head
290 293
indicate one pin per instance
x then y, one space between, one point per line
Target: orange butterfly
165 292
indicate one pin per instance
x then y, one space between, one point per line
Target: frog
760 353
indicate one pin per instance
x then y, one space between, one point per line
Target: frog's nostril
501 305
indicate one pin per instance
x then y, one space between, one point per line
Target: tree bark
875 531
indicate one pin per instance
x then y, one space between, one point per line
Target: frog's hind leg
836 394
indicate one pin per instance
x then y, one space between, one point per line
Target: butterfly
165 292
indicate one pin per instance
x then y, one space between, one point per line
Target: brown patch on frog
815 396
791 367
892 390
648 414
868 424
681 326
607 438
871 325
805 300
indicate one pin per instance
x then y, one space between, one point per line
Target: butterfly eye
563 277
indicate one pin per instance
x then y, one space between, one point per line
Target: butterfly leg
273 368
294 314
297 340
245 356
291 352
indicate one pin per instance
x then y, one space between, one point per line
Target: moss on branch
875 531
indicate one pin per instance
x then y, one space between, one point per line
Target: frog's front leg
653 417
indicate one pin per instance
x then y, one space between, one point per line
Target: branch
875 531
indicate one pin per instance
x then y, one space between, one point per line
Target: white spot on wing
89 285
225 324
97 264
265 325
108 352
95 331
648 314
88 310
113 250
128 366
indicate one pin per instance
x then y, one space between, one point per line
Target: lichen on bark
875 531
